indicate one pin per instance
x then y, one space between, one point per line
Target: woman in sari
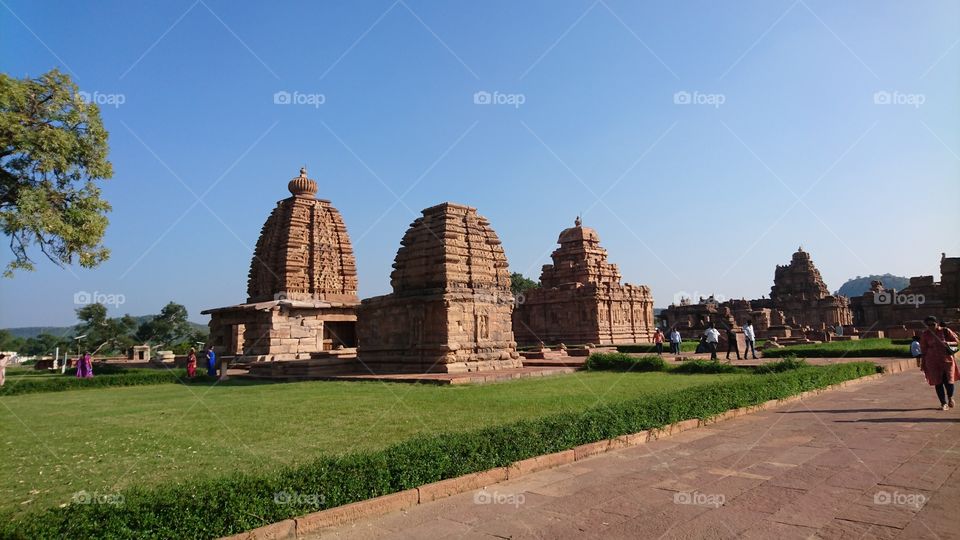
937 346
192 363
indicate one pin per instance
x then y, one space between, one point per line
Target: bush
68 381
705 366
624 362
788 363
648 348
239 502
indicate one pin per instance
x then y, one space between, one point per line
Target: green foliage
105 375
646 348
53 148
520 283
233 504
705 366
9 342
861 348
103 334
624 362
788 363
167 328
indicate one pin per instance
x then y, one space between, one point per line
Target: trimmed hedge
233 504
132 377
648 348
788 363
706 366
624 362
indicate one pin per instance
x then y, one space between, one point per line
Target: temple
581 300
799 303
302 288
451 303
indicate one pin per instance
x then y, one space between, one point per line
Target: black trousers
944 390
733 347
712 347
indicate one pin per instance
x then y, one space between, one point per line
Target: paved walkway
874 460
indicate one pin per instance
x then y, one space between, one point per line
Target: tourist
192 363
675 341
751 338
938 345
658 341
732 345
3 369
712 335
211 362
915 349
85 366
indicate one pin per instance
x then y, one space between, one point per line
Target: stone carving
451 302
302 286
581 299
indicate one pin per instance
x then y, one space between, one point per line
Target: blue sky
704 141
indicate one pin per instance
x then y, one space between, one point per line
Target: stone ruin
451 303
581 300
799 305
302 287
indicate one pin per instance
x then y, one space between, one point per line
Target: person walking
658 341
938 345
675 341
85 366
192 363
732 345
751 339
712 337
211 362
3 369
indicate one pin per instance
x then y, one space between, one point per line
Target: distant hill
859 285
27 332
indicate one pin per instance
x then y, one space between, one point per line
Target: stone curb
340 515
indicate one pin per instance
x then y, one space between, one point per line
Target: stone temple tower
451 303
302 287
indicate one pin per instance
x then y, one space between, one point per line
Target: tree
9 342
520 283
167 328
100 332
53 148
47 344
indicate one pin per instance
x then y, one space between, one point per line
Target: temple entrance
339 333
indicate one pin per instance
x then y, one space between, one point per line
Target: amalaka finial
301 186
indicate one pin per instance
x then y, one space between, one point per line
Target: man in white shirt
713 338
675 341
751 339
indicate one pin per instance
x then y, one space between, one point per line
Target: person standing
712 337
675 341
938 345
658 341
211 362
732 345
751 339
192 363
3 369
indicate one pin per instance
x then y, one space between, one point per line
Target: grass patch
706 366
29 381
651 348
624 362
861 348
789 363
237 501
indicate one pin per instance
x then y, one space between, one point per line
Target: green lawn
103 440
861 348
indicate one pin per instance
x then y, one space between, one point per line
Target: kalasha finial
577 222
302 186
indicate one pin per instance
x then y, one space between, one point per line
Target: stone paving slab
873 460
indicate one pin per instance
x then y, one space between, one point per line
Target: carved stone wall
451 303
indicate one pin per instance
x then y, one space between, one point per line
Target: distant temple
302 287
581 299
450 307
799 300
